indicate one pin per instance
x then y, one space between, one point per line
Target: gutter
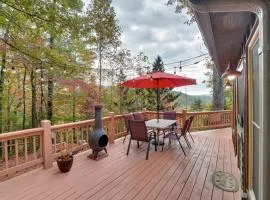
262 9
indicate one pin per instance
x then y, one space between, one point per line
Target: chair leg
148 148
163 140
185 137
128 145
191 137
155 138
138 144
124 139
178 138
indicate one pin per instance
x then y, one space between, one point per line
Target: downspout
262 9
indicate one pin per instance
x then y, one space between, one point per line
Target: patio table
159 124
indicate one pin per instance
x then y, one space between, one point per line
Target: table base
157 143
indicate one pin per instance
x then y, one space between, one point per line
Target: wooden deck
166 175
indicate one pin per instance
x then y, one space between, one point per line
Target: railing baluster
61 140
77 130
34 147
17 152
54 141
87 130
41 145
66 139
6 153
25 149
72 140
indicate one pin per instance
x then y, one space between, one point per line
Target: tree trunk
2 79
74 105
50 89
24 80
218 91
100 65
41 93
34 99
8 109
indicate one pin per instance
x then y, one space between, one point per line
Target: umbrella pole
158 99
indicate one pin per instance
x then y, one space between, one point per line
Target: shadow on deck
166 175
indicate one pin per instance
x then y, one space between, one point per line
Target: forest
60 57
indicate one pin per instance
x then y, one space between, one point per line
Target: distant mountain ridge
181 100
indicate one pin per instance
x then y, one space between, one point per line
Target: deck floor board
166 175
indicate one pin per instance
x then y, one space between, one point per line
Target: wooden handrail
72 125
46 142
20 134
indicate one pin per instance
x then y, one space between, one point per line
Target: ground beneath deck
166 175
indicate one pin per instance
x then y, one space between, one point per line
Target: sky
152 27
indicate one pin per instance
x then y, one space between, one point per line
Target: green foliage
158 65
228 99
197 105
43 42
183 6
141 64
103 31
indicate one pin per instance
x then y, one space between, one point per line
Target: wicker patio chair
138 131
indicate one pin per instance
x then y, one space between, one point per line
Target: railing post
111 128
47 144
184 113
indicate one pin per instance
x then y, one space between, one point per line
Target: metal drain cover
225 181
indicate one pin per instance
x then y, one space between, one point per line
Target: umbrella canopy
159 80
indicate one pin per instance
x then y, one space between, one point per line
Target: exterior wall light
230 73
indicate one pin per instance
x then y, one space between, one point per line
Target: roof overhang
224 34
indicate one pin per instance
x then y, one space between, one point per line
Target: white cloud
154 28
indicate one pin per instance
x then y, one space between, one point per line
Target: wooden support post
47 144
111 128
184 113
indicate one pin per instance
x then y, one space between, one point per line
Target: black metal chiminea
98 139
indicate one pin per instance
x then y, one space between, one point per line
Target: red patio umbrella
159 80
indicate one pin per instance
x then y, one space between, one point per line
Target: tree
228 93
215 82
123 91
138 98
141 64
44 38
158 65
167 96
183 6
197 105
104 31
170 100
80 93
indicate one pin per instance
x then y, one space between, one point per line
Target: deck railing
202 120
26 149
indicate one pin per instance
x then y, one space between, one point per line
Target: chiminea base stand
98 156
